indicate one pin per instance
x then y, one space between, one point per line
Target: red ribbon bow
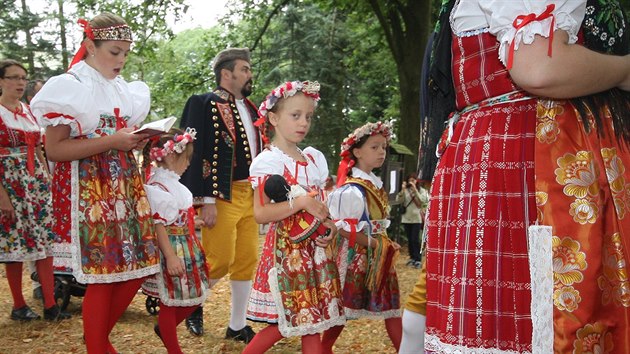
31 141
523 20
87 29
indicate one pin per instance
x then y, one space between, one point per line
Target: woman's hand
313 206
395 246
124 140
175 266
6 208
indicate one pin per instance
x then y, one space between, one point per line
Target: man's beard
247 88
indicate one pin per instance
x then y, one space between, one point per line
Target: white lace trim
166 300
432 344
305 329
353 314
527 34
541 270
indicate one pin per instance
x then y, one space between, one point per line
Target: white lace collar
357 173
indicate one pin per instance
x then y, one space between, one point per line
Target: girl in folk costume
103 217
366 254
297 288
182 284
25 200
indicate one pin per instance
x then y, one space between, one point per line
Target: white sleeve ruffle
163 207
265 164
63 100
320 162
347 202
140 100
501 14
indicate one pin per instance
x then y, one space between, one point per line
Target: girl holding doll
297 288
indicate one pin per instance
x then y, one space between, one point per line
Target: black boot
194 322
54 313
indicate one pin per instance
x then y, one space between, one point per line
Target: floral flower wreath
286 90
368 129
177 144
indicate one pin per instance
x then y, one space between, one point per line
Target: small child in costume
297 289
366 255
182 283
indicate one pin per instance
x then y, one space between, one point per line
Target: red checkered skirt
482 201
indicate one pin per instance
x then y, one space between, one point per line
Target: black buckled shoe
156 329
24 313
54 313
194 322
245 334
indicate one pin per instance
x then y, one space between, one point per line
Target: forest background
367 54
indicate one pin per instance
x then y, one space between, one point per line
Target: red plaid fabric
482 201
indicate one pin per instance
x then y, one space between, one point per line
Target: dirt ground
134 332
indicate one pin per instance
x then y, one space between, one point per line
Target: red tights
103 304
168 319
392 325
266 338
46 279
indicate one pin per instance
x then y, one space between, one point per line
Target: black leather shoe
54 313
24 313
156 329
245 334
194 322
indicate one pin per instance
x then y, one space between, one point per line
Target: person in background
414 200
103 216
227 143
32 88
26 219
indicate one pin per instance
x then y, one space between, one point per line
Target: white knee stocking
240 296
414 325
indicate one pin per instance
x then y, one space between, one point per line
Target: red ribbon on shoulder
345 166
523 20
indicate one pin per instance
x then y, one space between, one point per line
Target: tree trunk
29 41
62 34
407 28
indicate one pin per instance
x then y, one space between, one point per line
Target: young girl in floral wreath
366 255
297 288
182 283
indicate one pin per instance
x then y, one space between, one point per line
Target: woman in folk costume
102 213
528 231
182 284
297 290
367 255
26 219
